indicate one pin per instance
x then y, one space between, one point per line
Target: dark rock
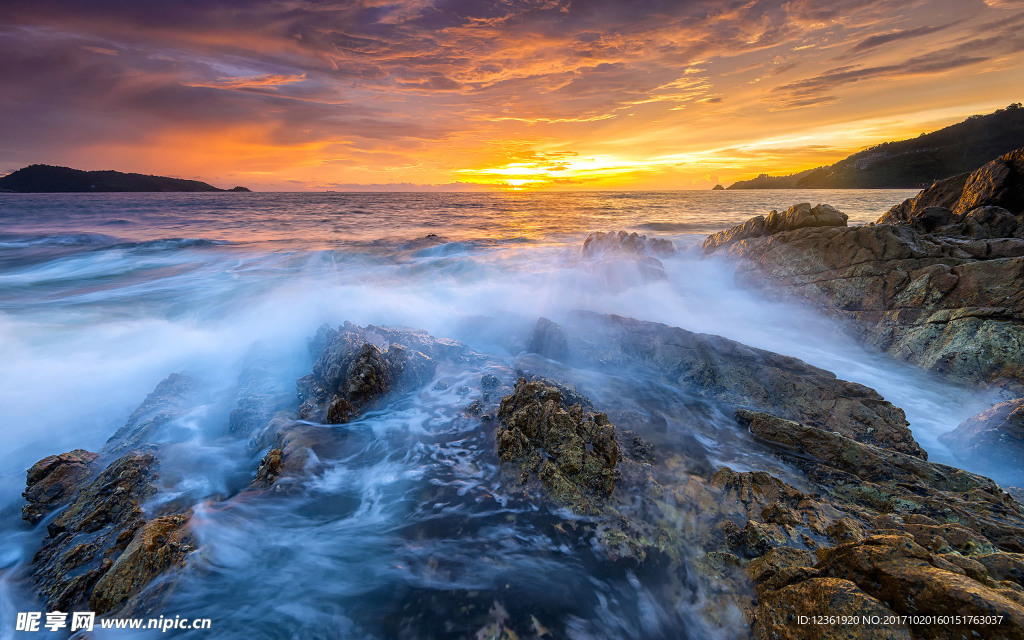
53 481
993 436
489 382
572 451
718 187
90 538
548 339
724 370
357 367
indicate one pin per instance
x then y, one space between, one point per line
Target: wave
57 240
165 244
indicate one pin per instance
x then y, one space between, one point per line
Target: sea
409 532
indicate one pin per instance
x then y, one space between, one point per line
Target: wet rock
549 339
357 367
912 581
573 452
90 537
798 216
622 260
932 283
869 481
170 399
53 482
161 545
993 436
728 371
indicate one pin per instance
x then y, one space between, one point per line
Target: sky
445 95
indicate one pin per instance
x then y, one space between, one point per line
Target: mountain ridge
915 162
44 178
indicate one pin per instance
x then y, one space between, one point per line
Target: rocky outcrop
171 398
728 371
601 243
621 260
934 283
1000 183
994 436
798 216
571 450
901 534
357 367
101 550
53 481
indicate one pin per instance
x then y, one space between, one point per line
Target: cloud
417 90
892 36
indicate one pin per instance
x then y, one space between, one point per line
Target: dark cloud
893 36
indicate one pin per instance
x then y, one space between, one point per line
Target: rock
573 452
780 612
170 399
932 283
90 538
718 187
911 538
798 216
728 371
600 244
871 481
357 367
912 581
160 545
621 260
548 339
993 436
53 481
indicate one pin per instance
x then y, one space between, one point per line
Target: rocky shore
828 506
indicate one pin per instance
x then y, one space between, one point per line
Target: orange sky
463 94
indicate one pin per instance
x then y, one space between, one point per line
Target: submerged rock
356 367
935 282
728 371
995 436
53 481
573 452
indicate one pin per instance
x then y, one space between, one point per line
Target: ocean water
408 532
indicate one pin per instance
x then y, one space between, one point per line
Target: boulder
53 481
357 367
91 537
600 244
573 452
933 282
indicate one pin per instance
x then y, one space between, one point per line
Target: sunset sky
463 94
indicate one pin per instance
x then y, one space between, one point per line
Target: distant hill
914 163
43 178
